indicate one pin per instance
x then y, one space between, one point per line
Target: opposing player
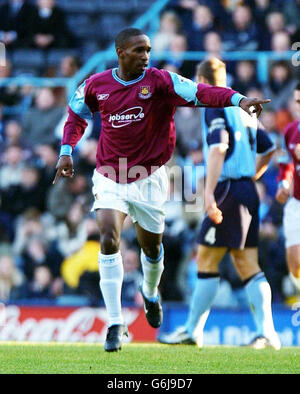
289 192
231 140
137 138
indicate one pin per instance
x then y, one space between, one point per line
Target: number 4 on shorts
210 236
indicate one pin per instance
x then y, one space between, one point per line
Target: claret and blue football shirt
137 116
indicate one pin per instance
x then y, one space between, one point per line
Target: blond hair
212 69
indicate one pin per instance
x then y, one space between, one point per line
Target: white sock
259 296
111 279
295 281
152 271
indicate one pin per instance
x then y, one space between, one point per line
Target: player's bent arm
215 161
262 162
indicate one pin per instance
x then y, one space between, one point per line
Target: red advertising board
68 324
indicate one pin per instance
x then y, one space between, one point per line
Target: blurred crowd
49 240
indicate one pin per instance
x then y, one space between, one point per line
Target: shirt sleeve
216 122
82 106
83 102
264 144
183 91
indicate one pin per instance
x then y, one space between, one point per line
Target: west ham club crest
145 92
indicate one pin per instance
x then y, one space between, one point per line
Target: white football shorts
291 222
143 200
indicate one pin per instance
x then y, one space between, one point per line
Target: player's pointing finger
57 175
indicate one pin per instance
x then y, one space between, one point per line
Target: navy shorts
239 203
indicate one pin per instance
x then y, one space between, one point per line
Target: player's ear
119 51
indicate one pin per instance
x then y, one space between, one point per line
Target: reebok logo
128 116
103 96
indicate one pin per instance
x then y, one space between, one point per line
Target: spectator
184 8
261 11
13 135
177 48
245 76
34 255
71 233
80 269
212 43
11 280
202 23
48 26
15 23
67 191
291 11
281 42
169 26
46 160
244 34
275 23
29 193
12 166
9 95
40 286
280 85
40 121
69 66
31 225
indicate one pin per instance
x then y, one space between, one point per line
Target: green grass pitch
144 358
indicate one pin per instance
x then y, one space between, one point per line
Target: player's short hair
297 86
124 35
210 69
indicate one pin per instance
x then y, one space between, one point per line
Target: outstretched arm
183 91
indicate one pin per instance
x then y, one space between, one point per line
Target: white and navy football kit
235 193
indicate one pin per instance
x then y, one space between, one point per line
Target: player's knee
152 251
109 242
